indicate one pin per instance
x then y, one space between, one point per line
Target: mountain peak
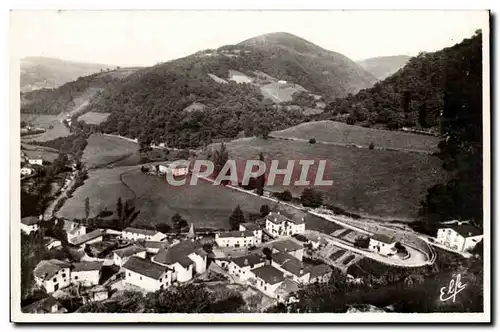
284 39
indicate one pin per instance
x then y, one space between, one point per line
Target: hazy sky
148 37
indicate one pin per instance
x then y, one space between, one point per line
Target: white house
92 237
268 279
184 259
179 170
257 232
121 256
73 229
30 224
288 246
146 274
235 239
281 82
26 171
51 243
241 266
52 275
382 244
278 224
291 267
36 161
136 234
320 273
86 274
459 236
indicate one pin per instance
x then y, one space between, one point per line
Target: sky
142 38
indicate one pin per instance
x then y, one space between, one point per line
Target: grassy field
94 117
338 132
381 183
51 123
36 152
102 150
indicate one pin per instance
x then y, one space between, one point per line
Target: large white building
185 259
268 279
288 246
86 274
52 275
459 236
241 267
146 274
257 232
235 239
121 256
278 224
137 234
30 224
382 244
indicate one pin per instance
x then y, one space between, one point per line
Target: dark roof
281 257
383 238
43 306
86 266
69 225
248 260
29 220
320 270
286 245
246 233
295 267
156 244
144 267
287 287
278 218
312 237
129 251
250 226
177 253
86 237
140 231
46 269
464 229
269 274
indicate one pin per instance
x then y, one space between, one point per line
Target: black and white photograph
250 166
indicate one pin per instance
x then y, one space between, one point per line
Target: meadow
378 183
341 133
103 150
93 117
39 152
51 123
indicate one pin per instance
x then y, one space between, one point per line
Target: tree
236 218
286 195
87 208
267 252
119 209
163 228
311 198
264 210
261 179
178 222
220 157
312 140
372 146
362 242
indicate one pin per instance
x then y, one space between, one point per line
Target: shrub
312 140
372 146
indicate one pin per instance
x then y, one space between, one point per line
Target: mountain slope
413 97
49 73
384 66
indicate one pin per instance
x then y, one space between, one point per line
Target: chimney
245 262
301 272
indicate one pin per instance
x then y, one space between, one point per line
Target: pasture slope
51 123
377 183
93 117
343 134
103 150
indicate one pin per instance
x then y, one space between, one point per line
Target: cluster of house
177 168
27 164
459 236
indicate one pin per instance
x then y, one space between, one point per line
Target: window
161 279
265 287
129 274
54 280
64 275
140 278
76 277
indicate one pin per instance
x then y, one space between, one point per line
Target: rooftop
320 270
247 233
129 251
279 218
383 238
78 240
147 232
29 220
145 267
295 267
464 229
249 260
269 274
287 287
250 226
43 306
178 253
286 245
156 244
86 266
46 269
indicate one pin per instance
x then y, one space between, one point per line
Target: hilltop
49 73
384 66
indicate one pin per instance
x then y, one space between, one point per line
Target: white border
17 316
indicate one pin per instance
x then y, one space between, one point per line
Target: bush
312 140
300 237
372 146
311 198
286 196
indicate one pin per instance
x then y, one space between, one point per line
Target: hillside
413 97
49 73
384 66
234 89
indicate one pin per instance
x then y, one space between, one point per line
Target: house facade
382 244
52 275
235 239
291 267
48 305
26 171
73 229
268 279
121 256
136 234
184 259
255 229
36 162
278 225
287 246
459 236
30 224
241 267
86 274
146 274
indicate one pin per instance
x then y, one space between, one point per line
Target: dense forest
412 97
